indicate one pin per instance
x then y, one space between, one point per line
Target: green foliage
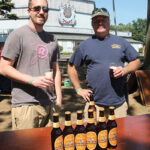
5 9
66 54
60 48
141 50
138 29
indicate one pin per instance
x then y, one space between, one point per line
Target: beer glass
112 67
49 74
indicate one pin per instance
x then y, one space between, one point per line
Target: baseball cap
100 12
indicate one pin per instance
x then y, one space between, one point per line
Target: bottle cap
67 113
79 111
111 107
55 114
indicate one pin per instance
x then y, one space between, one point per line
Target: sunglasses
38 8
100 10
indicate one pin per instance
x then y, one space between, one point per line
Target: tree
5 9
138 30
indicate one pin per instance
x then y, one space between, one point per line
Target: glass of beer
112 67
49 74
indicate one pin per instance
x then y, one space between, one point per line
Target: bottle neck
91 120
67 123
111 114
92 103
111 117
102 119
56 124
79 122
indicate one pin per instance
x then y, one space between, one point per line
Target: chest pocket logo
117 46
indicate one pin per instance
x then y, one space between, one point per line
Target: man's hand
59 103
42 82
118 72
85 94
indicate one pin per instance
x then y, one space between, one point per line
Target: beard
39 21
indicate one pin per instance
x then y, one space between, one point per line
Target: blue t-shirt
97 54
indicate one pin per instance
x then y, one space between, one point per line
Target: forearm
13 74
7 70
73 75
57 81
132 66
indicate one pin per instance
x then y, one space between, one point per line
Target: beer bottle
91 136
112 129
56 134
68 133
102 131
80 132
92 106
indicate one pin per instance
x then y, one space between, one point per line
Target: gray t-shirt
33 54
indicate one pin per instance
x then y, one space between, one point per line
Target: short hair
30 3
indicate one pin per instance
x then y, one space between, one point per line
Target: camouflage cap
100 12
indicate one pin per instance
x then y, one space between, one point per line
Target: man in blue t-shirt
98 52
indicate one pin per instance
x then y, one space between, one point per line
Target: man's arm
7 70
73 75
57 82
132 66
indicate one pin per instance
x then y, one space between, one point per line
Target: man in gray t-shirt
29 52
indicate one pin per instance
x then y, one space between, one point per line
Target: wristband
78 90
31 80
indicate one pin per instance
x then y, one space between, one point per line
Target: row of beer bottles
91 137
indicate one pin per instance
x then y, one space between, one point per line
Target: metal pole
114 12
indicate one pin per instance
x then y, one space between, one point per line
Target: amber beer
102 131
112 129
92 106
80 132
68 133
112 67
56 134
111 71
91 136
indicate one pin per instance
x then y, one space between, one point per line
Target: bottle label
80 141
56 125
79 122
102 119
92 103
111 117
91 140
69 142
90 120
67 123
102 139
113 136
58 145
95 117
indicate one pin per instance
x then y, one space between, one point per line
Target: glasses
100 10
38 8
100 21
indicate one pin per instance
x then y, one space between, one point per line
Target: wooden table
133 134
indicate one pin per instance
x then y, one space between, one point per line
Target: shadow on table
133 145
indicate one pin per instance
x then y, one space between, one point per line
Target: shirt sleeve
56 54
77 58
130 52
12 46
